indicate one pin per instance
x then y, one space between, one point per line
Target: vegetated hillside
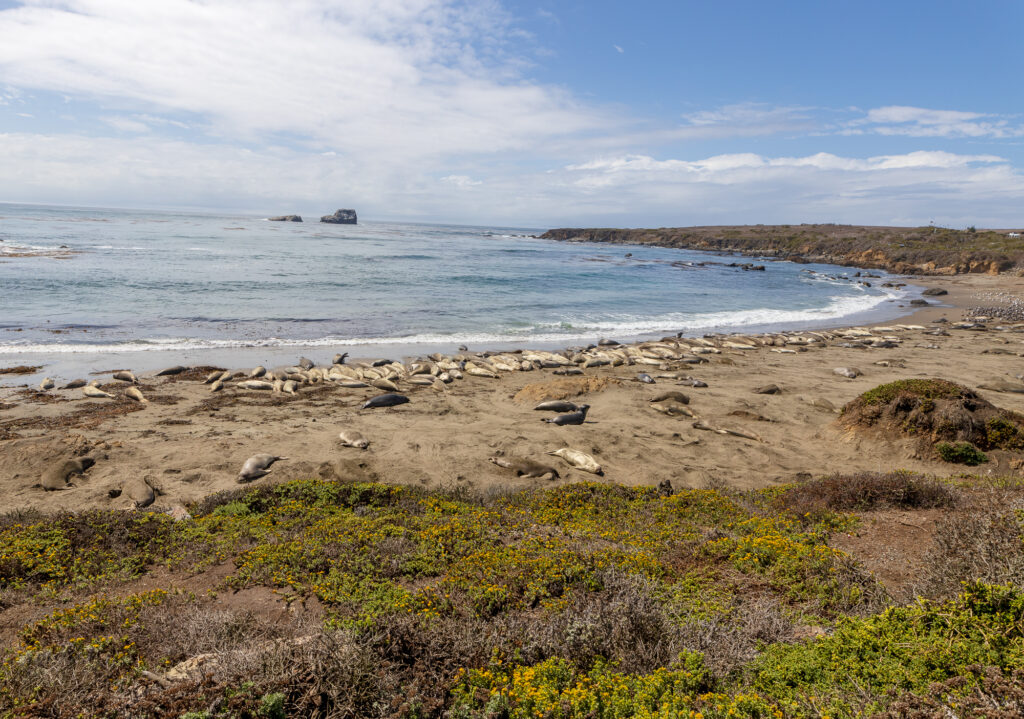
331 599
903 250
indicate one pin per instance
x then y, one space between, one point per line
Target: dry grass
865 491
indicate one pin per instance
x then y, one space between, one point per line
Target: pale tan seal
353 438
46 384
140 492
579 460
135 394
526 468
257 466
90 391
57 476
671 395
125 376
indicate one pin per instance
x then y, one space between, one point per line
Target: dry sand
189 443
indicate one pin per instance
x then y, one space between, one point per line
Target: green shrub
961 453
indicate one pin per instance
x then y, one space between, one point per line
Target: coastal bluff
901 250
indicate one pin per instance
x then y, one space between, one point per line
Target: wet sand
188 442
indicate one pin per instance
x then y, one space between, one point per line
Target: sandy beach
187 442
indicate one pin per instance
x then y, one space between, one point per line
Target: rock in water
285 218
340 217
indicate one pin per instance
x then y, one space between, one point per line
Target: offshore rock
285 218
341 217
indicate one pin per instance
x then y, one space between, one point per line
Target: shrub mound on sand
937 411
563 388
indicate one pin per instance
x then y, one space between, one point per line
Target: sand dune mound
936 411
564 388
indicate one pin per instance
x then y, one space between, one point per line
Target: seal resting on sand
557 405
525 467
57 476
257 466
352 438
576 417
385 400
579 460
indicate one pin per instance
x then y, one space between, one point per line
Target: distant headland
903 250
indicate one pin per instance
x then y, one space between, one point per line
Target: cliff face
902 250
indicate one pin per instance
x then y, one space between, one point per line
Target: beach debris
821 403
176 369
353 438
665 488
579 460
556 405
92 391
848 372
385 400
257 466
125 376
701 424
57 476
577 417
526 468
46 384
136 394
767 389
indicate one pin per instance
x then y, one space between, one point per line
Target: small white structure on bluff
1013 234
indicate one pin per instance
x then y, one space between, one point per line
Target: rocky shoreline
899 250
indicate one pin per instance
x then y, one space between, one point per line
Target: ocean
86 290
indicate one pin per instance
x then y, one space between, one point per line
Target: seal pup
576 417
339 358
645 378
557 405
46 384
140 492
578 459
258 372
385 400
176 369
384 384
213 376
57 476
290 386
74 384
526 468
671 395
90 391
257 466
353 438
135 394
125 376
256 384
674 409
217 386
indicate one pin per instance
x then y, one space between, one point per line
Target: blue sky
520 113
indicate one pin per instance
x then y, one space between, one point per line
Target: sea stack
341 217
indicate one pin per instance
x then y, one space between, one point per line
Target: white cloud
461 180
618 49
383 79
126 124
923 122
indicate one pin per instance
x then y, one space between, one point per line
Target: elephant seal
645 378
306 363
339 358
352 438
257 466
140 492
385 400
125 376
576 417
46 384
74 384
135 394
213 376
57 476
526 468
258 372
217 385
176 369
848 372
671 395
578 459
557 405
665 488
256 384
290 386
90 391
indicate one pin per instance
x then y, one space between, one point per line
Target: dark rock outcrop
285 218
341 217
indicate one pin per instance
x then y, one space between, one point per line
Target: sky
523 113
